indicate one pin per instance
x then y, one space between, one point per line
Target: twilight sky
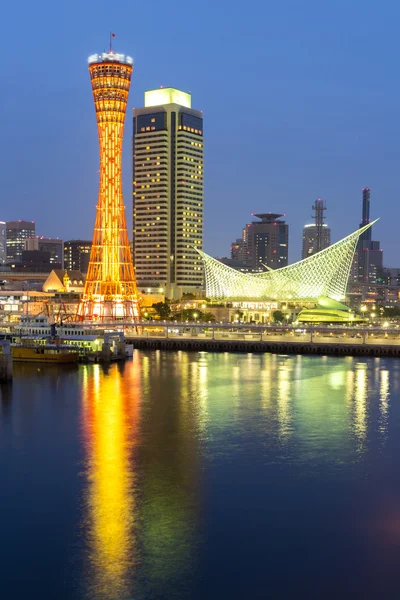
300 101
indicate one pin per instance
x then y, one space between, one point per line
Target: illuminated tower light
110 288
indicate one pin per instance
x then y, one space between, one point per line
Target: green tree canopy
193 315
278 316
162 309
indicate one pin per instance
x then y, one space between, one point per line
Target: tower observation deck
110 288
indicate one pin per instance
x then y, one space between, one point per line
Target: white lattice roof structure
324 274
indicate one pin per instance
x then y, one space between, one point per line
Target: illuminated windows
170 202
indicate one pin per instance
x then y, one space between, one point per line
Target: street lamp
195 315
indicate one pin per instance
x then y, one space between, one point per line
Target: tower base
108 310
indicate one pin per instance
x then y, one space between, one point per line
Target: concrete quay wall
266 346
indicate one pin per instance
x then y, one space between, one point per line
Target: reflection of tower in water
142 499
169 469
110 422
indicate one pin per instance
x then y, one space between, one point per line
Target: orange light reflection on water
111 404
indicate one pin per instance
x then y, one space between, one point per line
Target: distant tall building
168 162
17 232
366 200
3 243
368 263
239 248
77 255
53 247
35 261
267 242
316 236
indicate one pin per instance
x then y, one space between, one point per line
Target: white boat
85 337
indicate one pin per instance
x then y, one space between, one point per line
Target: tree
278 316
162 309
208 316
193 315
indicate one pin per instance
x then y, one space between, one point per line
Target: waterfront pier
228 337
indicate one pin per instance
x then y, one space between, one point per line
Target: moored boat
83 338
43 354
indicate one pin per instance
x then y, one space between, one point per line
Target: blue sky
300 101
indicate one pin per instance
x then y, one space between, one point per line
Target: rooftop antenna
112 35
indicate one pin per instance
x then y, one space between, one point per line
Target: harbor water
195 475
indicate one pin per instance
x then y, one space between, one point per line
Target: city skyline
323 140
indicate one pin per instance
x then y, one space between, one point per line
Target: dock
272 347
338 341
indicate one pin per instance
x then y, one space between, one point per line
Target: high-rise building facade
268 242
3 243
311 237
368 263
54 247
168 193
16 233
317 235
239 248
76 255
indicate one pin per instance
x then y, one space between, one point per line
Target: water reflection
5 400
111 405
151 431
360 405
173 419
284 384
141 430
384 403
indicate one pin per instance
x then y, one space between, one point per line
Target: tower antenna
112 35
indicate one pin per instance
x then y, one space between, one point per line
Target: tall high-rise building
54 247
366 200
239 251
168 162
3 243
110 288
317 235
16 233
76 255
368 263
267 242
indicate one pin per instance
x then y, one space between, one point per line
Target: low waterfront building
15 303
64 281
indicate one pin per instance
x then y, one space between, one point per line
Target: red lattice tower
110 288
